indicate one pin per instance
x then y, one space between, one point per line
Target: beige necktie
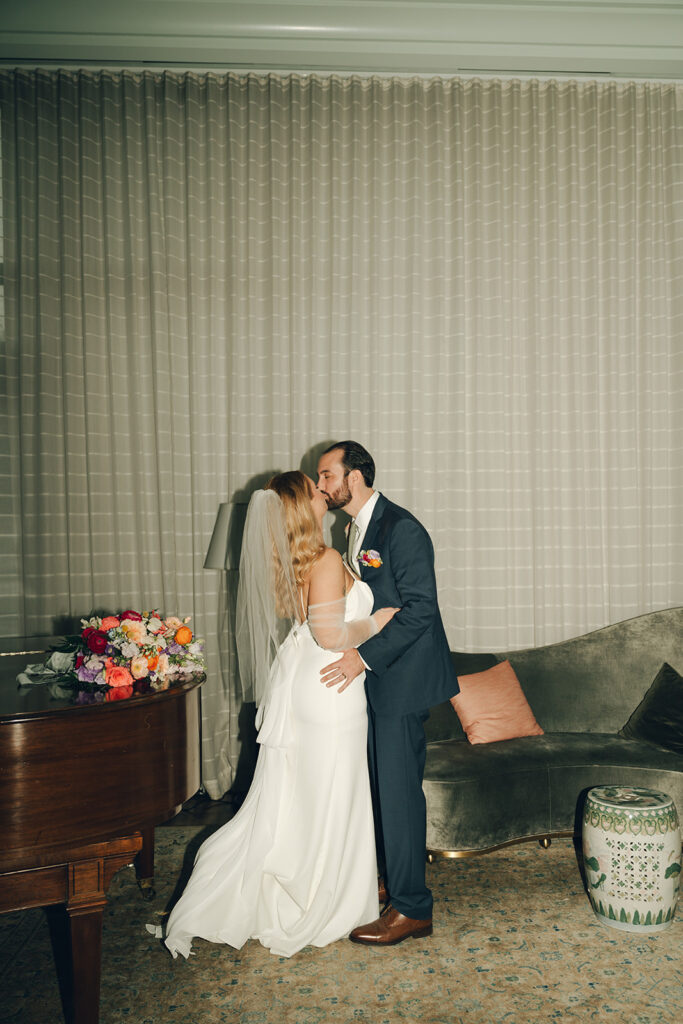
351 546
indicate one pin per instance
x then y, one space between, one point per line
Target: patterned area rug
515 940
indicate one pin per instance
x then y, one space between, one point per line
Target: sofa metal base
544 840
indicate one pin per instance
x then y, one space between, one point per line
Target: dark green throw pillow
659 716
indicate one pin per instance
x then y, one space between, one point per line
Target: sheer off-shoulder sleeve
326 622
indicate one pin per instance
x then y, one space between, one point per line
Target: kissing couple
337 789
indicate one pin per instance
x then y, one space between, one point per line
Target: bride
296 865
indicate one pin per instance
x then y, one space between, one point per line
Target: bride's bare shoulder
326 581
329 562
328 569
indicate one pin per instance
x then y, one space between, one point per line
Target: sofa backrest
594 682
589 684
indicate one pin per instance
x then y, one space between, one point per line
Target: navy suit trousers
396 755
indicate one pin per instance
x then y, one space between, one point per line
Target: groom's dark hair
355 456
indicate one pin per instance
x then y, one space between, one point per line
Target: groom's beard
339 498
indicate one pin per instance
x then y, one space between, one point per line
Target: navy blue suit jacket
410 661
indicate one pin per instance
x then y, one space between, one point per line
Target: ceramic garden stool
632 857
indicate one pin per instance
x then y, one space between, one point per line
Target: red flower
135 616
87 631
119 693
96 641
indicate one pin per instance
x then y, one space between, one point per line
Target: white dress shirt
362 521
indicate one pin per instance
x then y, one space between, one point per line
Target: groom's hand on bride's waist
341 673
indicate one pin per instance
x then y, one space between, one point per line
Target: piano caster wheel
146 887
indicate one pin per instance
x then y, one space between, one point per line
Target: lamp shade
218 555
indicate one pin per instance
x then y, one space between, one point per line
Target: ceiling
540 37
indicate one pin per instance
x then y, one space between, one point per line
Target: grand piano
81 789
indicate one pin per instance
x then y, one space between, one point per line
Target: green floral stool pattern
632 857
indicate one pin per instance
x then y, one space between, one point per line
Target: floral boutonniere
370 558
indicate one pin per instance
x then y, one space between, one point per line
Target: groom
408 670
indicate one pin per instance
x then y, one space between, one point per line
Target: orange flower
183 636
152 662
109 622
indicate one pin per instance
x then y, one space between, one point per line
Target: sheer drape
480 280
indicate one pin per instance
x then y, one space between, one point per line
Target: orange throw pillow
491 706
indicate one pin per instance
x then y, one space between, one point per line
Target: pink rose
118 675
109 622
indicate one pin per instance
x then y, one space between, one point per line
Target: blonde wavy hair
303 531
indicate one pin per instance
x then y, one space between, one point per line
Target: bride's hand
384 615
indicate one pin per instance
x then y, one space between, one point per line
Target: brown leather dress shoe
382 893
390 927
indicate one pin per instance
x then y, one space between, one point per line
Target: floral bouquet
118 656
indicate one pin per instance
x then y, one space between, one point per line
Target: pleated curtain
208 276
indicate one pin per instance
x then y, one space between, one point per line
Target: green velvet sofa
582 692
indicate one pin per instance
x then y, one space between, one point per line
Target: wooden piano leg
60 936
144 863
85 924
88 881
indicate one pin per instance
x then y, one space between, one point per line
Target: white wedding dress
296 866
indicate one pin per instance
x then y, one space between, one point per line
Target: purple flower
91 671
174 648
